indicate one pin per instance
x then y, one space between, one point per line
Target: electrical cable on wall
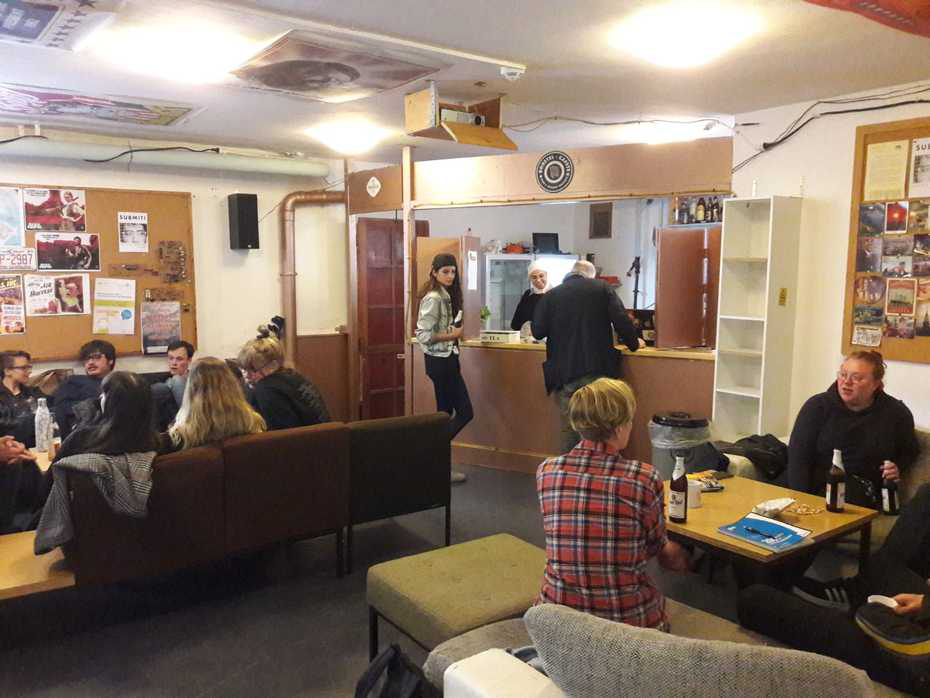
19 138
131 151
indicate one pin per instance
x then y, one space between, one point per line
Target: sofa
251 492
589 657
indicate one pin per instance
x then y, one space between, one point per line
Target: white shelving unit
756 312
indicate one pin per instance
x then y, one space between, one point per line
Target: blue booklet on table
766 532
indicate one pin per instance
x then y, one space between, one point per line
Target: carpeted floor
278 624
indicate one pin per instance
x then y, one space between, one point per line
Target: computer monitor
546 243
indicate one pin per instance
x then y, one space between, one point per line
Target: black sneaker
832 594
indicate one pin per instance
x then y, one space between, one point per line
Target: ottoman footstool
435 596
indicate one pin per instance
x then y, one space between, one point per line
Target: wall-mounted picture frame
601 221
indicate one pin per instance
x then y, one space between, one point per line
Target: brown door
380 257
680 287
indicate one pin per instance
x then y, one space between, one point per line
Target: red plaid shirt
604 519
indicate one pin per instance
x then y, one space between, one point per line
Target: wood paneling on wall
323 358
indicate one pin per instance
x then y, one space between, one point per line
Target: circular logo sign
554 171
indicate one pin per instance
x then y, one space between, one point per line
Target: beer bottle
836 483
889 495
701 211
678 492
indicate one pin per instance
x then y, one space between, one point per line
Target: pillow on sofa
590 657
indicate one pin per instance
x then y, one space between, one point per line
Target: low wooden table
737 500
22 572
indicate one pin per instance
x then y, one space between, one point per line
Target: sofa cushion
590 657
285 485
184 525
400 465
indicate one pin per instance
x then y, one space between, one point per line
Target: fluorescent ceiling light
183 51
349 136
685 33
658 132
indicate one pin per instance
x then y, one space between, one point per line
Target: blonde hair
256 354
213 407
597 409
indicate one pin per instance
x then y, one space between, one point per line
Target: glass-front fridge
506 279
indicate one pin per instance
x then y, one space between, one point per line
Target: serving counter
516 424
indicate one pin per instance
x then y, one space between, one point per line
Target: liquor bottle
683 211
836 483
692 212
678 492
676 216
889 495
700 211
715 209
43 426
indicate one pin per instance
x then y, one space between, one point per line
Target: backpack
767 453
402 678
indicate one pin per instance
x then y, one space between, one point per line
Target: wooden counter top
648 352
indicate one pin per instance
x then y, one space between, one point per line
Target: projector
461 117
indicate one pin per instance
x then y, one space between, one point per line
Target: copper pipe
288 260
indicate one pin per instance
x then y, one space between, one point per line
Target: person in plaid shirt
604 516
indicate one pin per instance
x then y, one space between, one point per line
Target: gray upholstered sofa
588 657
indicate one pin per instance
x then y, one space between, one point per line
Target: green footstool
438 595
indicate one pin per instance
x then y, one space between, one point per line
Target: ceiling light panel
685 33
349 135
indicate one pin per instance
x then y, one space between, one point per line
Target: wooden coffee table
738 498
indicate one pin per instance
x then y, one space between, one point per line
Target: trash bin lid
680 419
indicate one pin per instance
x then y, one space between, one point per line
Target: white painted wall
821 155
236 289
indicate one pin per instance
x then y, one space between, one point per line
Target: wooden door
680 287
381 336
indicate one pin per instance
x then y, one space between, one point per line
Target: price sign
17 258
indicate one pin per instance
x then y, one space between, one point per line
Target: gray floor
279 624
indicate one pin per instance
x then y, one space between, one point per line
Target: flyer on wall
114 306
17 258
885 170
920 168
12 317
161 325
54 209
12 224
67 251
57 295
133 231
867 336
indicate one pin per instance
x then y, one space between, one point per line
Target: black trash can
679 434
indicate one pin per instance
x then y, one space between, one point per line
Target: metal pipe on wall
288 259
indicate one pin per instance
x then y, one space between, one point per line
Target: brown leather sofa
250 492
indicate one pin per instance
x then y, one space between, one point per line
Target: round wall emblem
554 171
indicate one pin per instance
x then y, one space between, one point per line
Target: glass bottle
836 483
678 493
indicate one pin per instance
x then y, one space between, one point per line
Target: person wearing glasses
868 425
75 399
17 398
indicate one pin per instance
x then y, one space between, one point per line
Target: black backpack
402 678
767 453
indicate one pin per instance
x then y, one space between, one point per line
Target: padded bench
438 595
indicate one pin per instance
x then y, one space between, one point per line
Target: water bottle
43 426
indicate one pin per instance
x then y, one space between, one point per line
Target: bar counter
516 424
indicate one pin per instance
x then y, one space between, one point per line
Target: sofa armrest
494 673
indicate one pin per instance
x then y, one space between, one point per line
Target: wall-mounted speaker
243 221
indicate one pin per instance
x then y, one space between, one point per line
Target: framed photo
601 218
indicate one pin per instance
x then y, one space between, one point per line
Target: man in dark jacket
576 319
99 358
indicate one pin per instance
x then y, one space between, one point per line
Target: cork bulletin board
888 261
166 272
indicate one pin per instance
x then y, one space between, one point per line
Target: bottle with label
678 492
700 212
43 426
692 211
683 211
836 483
715 209
889 495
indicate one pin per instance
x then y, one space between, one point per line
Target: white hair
585 268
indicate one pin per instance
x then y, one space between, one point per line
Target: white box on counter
500 336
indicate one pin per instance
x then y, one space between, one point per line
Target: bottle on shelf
676 215
678 492
700 211
43 426
836 483
889 495
715 209
692 211
683 211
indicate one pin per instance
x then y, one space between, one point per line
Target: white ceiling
805 52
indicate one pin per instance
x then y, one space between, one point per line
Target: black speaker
243 221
